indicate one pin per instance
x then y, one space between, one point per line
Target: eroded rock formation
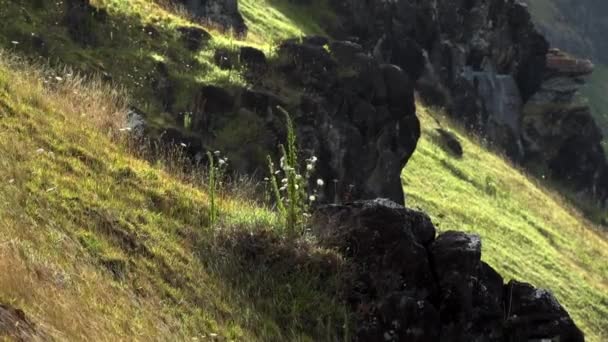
355 114
486 63
405 284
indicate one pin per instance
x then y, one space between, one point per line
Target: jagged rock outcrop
356 115
405 284
481 60
224 13
559 133
486 63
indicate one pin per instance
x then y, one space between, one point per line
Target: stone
79 19
536 313
193 37
403 284
163 86
254 59
450 142
224 58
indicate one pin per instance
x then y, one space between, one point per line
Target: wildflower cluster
289 184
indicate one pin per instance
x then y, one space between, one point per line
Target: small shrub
491 188
289 183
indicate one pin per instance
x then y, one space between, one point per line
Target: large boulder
79 19
357 115
405 284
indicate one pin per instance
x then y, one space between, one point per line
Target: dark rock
344 51
260 101
485 62
163 86
403 285
536 314
151 31
559 133
79 19
253 58
315 40
308 65
194 37
380 238
217 100
450 142
224 58
224 13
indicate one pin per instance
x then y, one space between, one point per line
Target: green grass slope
528 232
98 245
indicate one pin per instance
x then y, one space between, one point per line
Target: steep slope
98 245
63 233
528 231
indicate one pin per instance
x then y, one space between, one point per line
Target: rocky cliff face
356 115
405 284
489 66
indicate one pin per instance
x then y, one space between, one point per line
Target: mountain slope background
86 225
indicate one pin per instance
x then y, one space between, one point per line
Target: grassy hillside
528 232
98 245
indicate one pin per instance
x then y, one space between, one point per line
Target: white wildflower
217 153
309 167
284 180
11 181
40 150
183 145
320 182
59 79
312 198
222 162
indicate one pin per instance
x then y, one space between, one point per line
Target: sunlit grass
98 245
